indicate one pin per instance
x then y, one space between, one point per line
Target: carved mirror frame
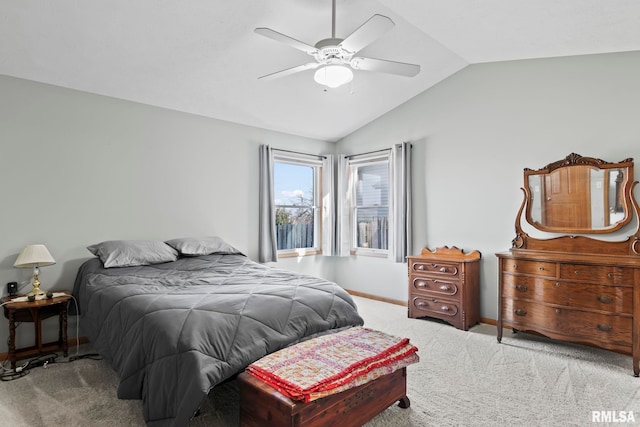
579 195
580 244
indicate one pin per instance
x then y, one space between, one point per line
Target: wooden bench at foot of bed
262 405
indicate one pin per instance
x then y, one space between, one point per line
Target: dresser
581 298
575 288
445 284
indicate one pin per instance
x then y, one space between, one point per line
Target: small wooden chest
445 284
262 405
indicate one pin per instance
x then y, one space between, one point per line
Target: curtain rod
368 152
298 152
324 157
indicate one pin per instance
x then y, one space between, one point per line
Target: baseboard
81 340
377 298
71 342
404 304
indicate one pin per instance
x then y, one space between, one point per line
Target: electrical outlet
12 288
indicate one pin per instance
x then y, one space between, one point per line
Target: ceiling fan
334 57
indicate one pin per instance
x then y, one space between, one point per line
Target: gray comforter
173 331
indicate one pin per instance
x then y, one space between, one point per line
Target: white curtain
400 164
267 246
343 208
328 207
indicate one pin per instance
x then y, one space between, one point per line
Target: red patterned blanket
333 363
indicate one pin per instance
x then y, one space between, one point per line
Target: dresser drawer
597 274
614 299
596 328
533 288
433 286
539 268
440 269
434 307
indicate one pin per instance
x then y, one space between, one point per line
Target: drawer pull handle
515 266
604 328
445 308
421 284
521 288
421 304
558 310
576 271
605 299
610 275
557 284
541 268
445 287
420 267
521 312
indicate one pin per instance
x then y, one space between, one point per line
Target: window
370 177
296 183
366 210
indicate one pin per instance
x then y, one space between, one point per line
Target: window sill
375 253
296 253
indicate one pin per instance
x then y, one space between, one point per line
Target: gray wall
473 135
76 169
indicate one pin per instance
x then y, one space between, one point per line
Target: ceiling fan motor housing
330 52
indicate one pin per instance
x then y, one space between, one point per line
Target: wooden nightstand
36 311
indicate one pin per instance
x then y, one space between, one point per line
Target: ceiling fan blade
279 37
289 71
383 66
367 33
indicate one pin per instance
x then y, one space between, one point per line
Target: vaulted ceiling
203 57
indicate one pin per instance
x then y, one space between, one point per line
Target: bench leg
404 402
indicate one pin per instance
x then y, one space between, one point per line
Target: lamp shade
333 75
34 256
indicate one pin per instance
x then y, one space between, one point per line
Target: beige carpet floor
463 379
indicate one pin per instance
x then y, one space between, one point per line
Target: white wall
474 133
76 169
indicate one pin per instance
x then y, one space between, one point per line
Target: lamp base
36 286
35 292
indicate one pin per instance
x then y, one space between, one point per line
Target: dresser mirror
581 195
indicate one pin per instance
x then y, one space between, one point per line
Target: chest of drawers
587 299
444 284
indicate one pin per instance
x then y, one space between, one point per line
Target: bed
175 319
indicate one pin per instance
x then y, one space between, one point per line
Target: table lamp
34 256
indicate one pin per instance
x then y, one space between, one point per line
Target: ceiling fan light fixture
333 75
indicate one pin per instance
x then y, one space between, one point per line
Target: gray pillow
129 253
194 246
